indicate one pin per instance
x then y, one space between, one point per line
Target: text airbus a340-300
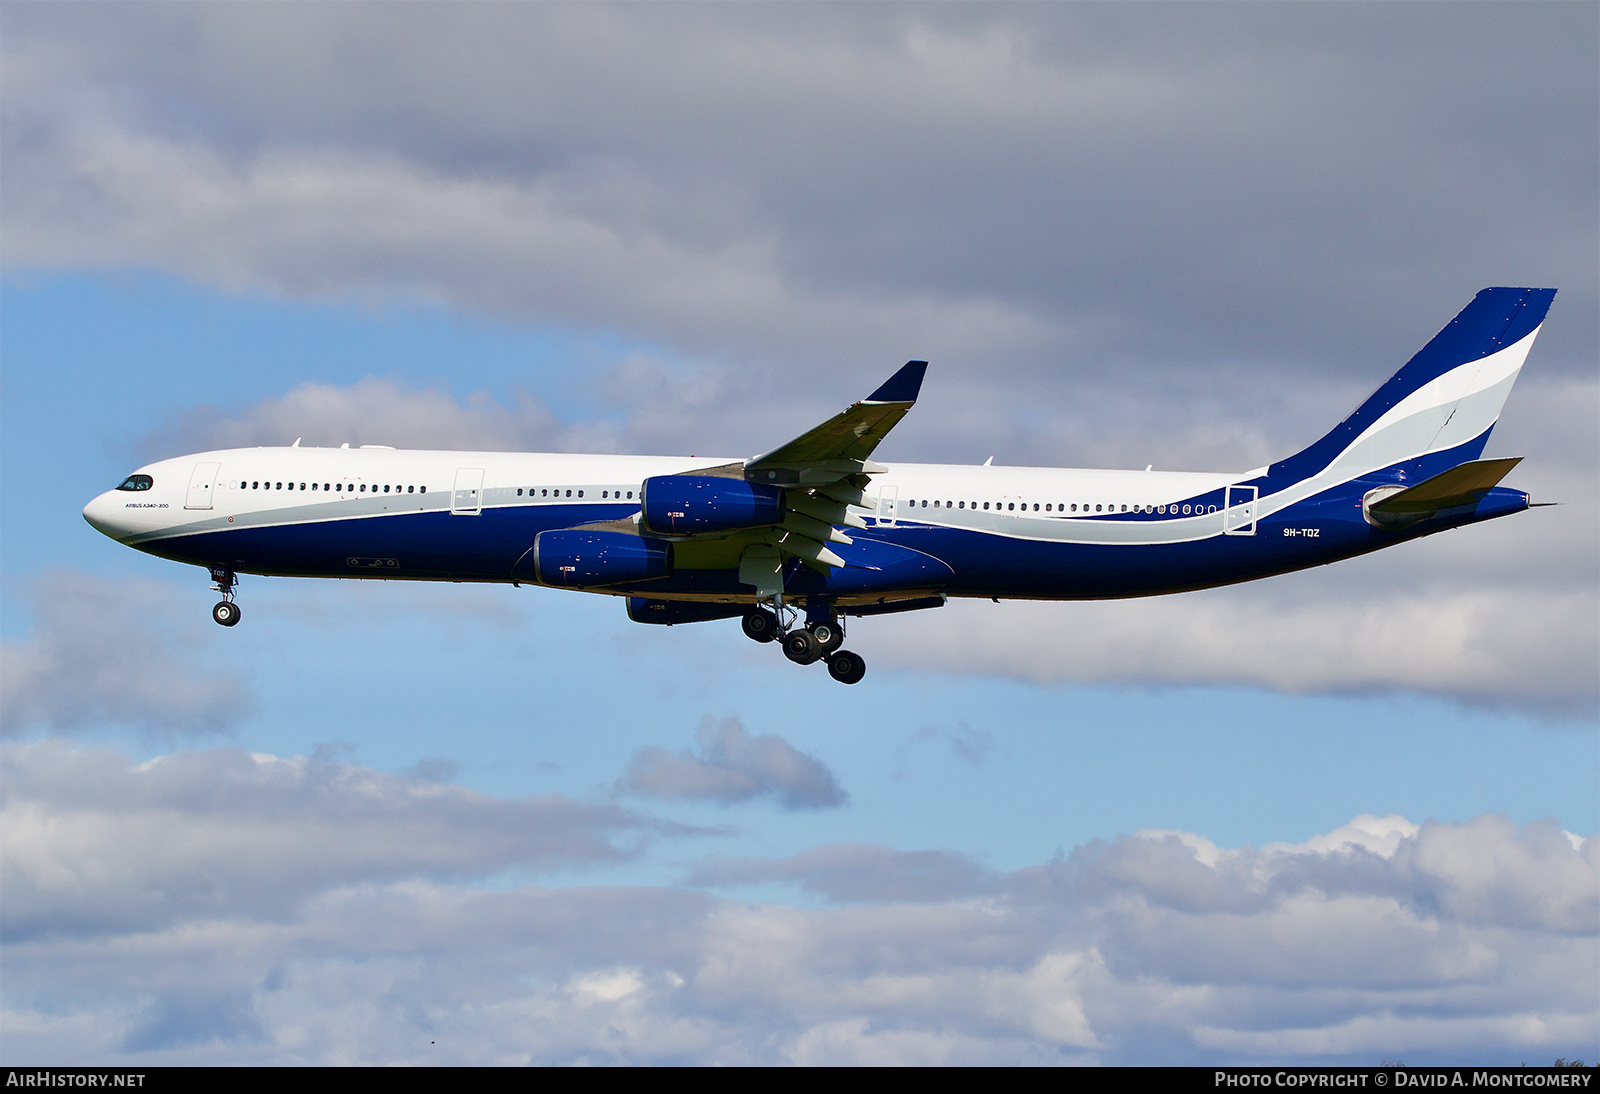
797 539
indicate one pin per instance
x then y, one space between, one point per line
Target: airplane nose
103 515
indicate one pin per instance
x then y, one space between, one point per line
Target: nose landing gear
819 639
226 612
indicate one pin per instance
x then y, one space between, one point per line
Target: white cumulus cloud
221 908
116 652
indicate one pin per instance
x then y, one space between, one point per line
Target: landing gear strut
226 612
819 639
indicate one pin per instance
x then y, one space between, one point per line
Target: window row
546 492
1063 507
341 487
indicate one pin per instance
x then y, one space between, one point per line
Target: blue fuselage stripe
441 546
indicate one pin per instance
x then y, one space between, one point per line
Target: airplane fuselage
1014 532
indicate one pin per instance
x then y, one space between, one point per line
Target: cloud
731 766
1500 645
97 844
1016 188
853 873
220 908
116 652
970 745
376 411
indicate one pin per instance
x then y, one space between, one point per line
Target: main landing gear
819 639
226 612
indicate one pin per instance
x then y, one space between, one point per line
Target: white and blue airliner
796 539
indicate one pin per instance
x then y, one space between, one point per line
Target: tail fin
1437 411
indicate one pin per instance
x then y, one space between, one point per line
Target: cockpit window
137 482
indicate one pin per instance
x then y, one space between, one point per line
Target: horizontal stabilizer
1396 507
1465 484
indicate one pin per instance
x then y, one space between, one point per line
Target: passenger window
1011 505
423 490
580 493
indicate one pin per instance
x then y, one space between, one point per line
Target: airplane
797 539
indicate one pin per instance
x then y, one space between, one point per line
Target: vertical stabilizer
1438 410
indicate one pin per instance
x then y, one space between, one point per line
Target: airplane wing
823 472
820 455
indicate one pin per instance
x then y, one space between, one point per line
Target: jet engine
679 505
577 558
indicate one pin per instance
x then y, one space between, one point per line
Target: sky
1339 816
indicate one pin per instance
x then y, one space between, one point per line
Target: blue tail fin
1438 410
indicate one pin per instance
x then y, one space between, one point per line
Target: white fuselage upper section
257 487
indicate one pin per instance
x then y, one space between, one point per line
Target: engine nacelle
578 558
680 505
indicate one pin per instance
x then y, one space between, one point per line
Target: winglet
903 386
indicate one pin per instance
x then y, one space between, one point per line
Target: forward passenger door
201 484
467 499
